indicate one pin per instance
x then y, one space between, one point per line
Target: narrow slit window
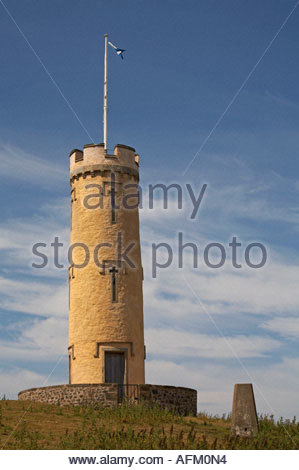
113 272
113 205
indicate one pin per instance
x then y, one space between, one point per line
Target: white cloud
183 344
18 236
19 165
275 386
34 298
227 291
18 379
41 342
284 326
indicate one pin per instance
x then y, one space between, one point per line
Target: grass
25 425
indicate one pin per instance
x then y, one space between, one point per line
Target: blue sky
184 62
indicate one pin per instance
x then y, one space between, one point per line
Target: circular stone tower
106 339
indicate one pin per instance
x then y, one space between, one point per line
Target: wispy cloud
287 327
19 165
34 298
37 341
182 344
214 382
17 379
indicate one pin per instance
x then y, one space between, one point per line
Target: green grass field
25 425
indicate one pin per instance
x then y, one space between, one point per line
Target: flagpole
105 92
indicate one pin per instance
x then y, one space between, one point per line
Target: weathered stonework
179 399
82 394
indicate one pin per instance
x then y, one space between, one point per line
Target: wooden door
114 367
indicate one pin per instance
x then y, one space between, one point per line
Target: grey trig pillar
244 416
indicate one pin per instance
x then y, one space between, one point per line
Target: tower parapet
94 154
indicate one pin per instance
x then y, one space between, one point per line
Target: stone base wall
82 394
180 399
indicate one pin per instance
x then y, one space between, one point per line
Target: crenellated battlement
94 154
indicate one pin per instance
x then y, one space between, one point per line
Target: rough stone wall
95 322
82 394
180 399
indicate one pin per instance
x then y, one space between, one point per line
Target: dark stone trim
122 146
170 387
101 168
110 343
75 150
60 386
72 347
93 145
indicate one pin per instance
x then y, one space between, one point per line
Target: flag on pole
118 50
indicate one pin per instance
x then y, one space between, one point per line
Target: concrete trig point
244 416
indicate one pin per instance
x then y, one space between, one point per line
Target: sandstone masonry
105 310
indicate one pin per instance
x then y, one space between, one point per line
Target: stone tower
106 339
